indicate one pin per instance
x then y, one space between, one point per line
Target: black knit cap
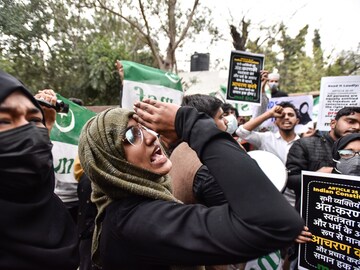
342 142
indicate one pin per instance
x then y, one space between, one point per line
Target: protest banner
244 81
336 93
65 136
305 106
330 206
141 82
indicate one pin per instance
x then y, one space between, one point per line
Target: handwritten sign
331 209
244 83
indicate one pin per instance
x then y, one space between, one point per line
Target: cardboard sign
244 83
331 209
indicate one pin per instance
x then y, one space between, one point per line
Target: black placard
331 210
244 83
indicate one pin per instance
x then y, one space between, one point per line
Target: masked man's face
17 110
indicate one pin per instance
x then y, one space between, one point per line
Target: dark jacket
36 230
139 233
310 154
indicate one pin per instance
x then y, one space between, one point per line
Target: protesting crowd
164 186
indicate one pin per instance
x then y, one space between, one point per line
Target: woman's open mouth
158 156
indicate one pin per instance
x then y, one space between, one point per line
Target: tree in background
318 66
53 44
294 68
348 62
71 46
23 34
152 20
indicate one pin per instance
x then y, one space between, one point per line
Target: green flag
146 82
64 136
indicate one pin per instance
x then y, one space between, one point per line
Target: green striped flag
146 82
64 136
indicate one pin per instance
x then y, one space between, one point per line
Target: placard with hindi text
244 83
331 209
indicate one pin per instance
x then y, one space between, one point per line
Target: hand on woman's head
49 96
158 116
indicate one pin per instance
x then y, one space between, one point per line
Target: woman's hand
158 116
49 96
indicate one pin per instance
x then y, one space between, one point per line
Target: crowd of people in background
162 186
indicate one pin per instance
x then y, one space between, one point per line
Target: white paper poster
336 93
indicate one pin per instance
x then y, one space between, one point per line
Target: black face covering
25 162
36 230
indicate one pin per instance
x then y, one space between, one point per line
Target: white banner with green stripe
142 82
64 136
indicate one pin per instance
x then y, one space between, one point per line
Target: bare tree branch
185 30
146 35
151 43
133 24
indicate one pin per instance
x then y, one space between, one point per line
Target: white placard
336 93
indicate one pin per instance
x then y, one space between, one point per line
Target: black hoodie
36 231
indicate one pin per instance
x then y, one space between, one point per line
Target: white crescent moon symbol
168 75
69 127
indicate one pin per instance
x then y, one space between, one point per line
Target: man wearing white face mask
232 124
273 82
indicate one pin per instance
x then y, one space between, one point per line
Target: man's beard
338 134
288 131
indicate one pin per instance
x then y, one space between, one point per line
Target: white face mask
232 124
273 86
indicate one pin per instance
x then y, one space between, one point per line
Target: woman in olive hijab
141 226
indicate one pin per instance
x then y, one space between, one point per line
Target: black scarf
36 230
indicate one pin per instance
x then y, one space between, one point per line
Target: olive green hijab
102 157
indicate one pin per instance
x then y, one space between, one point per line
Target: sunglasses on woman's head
135 136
